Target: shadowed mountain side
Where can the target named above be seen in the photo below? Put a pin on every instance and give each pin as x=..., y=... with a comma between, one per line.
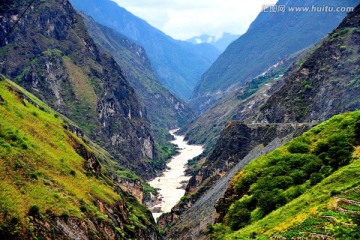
x=163, y=108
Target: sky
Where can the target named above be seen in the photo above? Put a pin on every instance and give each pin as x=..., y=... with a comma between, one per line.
x=184, y=19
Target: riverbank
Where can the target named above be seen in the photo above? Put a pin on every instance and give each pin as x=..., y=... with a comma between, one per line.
x=171, y=183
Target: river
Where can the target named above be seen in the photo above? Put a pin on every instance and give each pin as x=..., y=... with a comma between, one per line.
x=171, y=183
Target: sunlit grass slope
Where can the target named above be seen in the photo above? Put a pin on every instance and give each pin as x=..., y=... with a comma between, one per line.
x=45, y=168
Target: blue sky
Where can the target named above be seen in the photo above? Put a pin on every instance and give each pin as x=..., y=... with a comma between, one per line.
x=183, y=19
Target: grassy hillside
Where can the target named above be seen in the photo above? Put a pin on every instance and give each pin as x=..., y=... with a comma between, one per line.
x=308, y=187
x=53, y=178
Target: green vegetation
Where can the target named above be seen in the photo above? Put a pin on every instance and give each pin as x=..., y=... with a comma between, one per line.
x=127, y=174
x=164, y=149
x=287, y=191
x=148, y=189
x=45, y=173
x=254, y=85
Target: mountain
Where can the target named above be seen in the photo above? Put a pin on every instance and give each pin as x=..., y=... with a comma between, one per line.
x=319, y=85
x=178, y=64
x=57, y=183
x=207, y=127
x=269, y=39
x=50, y=53
x=221, y=43
x=307, y=188
x=164, y=109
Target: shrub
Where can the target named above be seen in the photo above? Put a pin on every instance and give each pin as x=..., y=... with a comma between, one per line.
x=340, y=151
x=34, y=211
x=271, y=200
x=242, y=186
x=321, y=147
x=298, y=176
x=239, y=218
x=315, y=178
x=83, y=208
x=298, y=147
x=312, y=166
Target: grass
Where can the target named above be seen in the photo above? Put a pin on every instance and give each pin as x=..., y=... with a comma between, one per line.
x=39, y=143
x=44, y=172
x=312, y=200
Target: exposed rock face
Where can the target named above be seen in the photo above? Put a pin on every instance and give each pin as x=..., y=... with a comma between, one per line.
x=133, y=187
x=50, y=53
x=239, y=104
x=73, y=228
x=327, y=83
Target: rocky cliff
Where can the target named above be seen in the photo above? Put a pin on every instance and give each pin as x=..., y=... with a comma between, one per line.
x=299, y=100
x=49, y=52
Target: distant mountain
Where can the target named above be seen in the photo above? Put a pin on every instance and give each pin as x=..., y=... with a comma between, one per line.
x=221, y=44
x=178, y=64
x=270, y=38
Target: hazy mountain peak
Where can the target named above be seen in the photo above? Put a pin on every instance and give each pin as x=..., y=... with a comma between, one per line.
x=221, y=43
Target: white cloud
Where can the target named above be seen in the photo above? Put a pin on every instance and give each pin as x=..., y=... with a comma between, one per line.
x=183, y=19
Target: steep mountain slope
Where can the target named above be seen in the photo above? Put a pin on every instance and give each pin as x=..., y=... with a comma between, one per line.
x=297, y=183
x=207, y=127
x=310, y=94
x=270, y=38
x=50, y=53
x=178, y=64
x=164, y=109
x=55, y=183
